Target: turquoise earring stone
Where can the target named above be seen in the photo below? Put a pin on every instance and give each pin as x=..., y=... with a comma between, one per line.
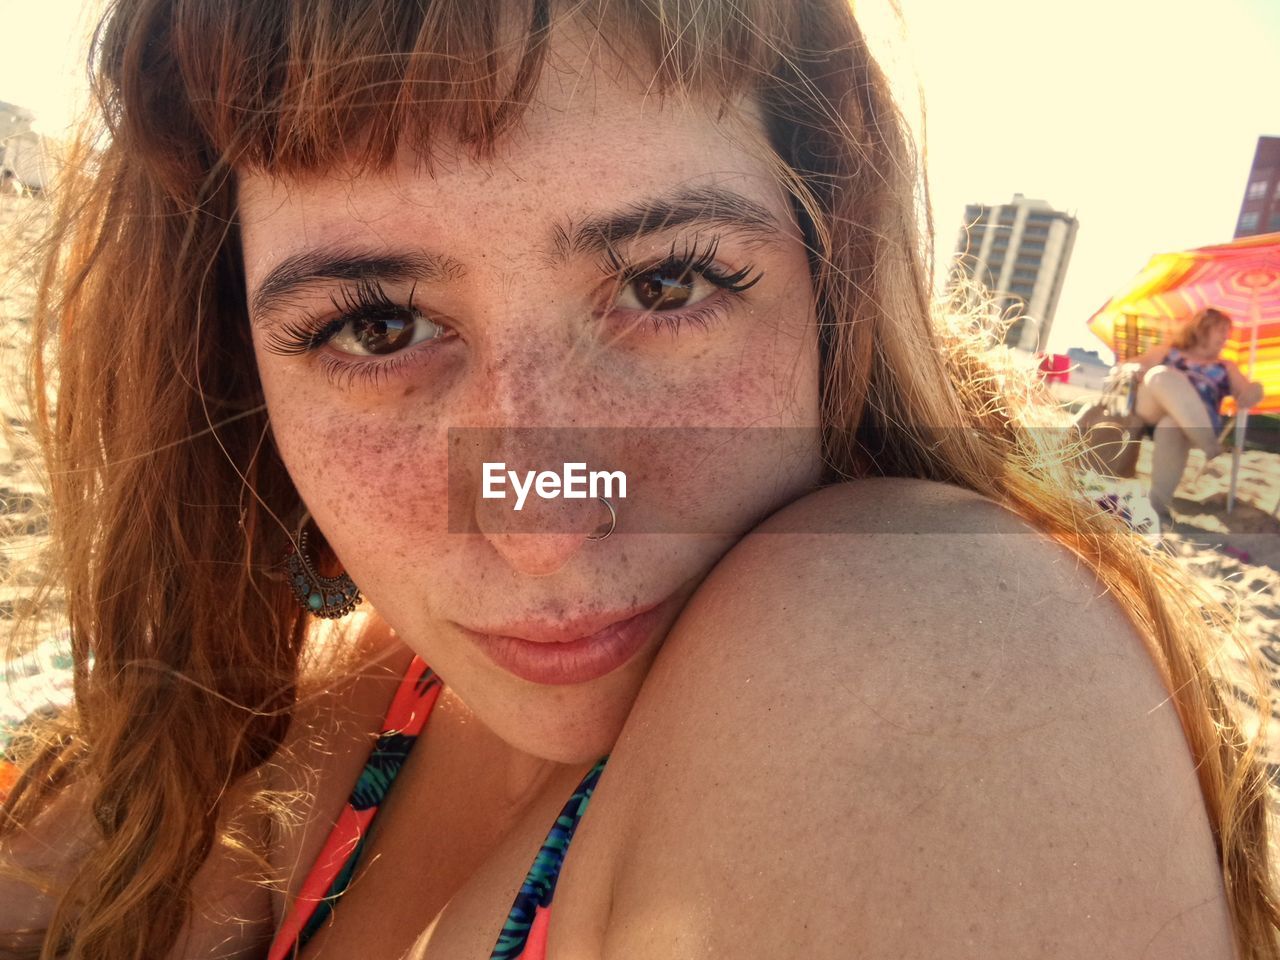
x=327, y=597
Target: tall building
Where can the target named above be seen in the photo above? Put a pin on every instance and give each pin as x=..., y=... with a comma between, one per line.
x=1260, y=212
x=1019, y=251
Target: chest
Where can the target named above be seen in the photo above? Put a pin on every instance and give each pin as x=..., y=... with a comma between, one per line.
x=446, y=854
x=1201, y=372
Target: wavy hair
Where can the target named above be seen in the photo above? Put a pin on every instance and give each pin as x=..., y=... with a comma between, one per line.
x=1195, y=331
x=165, y=485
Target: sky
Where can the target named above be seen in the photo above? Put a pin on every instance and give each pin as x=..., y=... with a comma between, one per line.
x=1139, y=117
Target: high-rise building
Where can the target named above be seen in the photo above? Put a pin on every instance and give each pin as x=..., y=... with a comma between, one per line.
x=1260, y=212
x=1019, y=251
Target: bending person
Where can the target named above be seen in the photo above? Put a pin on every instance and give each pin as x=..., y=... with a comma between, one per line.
x=1183, y=385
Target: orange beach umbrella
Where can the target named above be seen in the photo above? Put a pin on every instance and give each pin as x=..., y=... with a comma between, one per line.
x=1242, y=279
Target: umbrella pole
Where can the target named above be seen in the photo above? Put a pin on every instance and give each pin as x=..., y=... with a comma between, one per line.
x=1242, y=415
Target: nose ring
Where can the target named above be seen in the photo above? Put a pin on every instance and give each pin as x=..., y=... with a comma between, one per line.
x=613, y=522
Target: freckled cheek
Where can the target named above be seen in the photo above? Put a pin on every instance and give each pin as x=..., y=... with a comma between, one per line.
x=734, y=436
x=765, y=372
x=375, y=482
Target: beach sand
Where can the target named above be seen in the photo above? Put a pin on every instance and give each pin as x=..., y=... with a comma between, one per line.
x=1235, y=556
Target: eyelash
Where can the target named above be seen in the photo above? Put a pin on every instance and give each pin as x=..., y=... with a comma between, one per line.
x=368, y=299
x=695, y=261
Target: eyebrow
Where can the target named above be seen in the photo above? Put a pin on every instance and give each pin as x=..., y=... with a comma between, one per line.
x=595, y=234
x=291, y=274
x=703, y=206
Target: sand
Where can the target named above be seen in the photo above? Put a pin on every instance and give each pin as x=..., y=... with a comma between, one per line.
x=1235, y=555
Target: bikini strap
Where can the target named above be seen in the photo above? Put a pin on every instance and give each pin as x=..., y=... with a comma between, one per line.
x=525, y=930
x=333, y=869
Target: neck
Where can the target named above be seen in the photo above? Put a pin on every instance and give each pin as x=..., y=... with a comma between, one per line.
x=513, y=780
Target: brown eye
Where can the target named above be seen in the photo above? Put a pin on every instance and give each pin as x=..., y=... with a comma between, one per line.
x=663, y=288
x=384, y=336
x=381, y=335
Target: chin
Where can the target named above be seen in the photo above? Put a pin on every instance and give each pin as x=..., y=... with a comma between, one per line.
x=569, y=724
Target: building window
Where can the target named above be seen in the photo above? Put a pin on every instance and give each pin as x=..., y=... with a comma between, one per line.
x=1257, y=190
x=1273, y=225
x=1249, y=221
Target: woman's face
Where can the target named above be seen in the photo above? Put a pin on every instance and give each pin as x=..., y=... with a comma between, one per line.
x=1214, y=339
x=622, y=285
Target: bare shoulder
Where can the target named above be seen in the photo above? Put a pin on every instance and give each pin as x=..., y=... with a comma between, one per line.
x=237, y=894
x=37, y=861
x=231, y=913
x=230, y=916
x=1235, y=373
x=1233, y=368
x=897, y=720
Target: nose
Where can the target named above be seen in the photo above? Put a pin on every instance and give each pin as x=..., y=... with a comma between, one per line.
x=540, y=552
x=527, y=516
x=527, y=469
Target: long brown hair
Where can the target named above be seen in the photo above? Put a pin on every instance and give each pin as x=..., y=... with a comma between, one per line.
x=166, y=489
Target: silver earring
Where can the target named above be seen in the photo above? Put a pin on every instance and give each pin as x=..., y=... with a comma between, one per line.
x=326, y=597
x=613, y=522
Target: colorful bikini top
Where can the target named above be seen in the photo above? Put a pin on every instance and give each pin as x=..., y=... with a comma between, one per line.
x=524, y=933
x=1209, y=378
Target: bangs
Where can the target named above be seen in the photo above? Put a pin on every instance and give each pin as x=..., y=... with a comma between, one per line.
x=294, y=86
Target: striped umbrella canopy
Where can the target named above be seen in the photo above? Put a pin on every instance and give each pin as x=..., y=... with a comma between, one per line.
x=1242, y=279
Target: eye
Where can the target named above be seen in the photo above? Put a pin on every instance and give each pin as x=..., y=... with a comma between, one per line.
x=668, y=286
x=385, y=332
x=680, y=280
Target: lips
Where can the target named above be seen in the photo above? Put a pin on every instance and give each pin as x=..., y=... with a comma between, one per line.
x=566, y=652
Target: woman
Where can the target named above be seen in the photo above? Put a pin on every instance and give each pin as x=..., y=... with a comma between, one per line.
x=342, y=272
x=1183, y=385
